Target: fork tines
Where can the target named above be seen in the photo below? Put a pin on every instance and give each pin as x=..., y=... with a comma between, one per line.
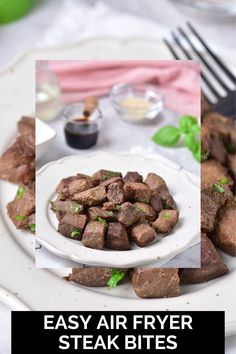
x=218, y=82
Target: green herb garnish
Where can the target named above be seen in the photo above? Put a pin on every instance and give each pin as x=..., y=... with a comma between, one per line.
x=188, y=128
x=166, y=215
x=118, y=207
x=164, y=205
x=224, y=180
x=116, y=276
x=76, y=208
x=102, y=221
x=20, y=192
x=32, y=227
x=137, y=208
x=52, y=205
x=20, y=217
x=143, y=200
x=218, y=187
x=204, y=156
x=110, y=213
x=75, y=232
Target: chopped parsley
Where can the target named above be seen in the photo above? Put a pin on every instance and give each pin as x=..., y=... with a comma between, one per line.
x=224, y=180
x=143, y=200
x=166, y=215
x=110, y=213
x=32, y=227
x=218, y=187
x=116, y=276
x=102, y=221
x=75, y=232
x=204, y=156
x=137, y=208
x=52, y=205
x=20, y=217
x=20, y=192
x=118, y=207
x=76, y=208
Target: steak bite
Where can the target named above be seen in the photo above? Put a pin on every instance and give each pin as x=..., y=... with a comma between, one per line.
x=22, y=207
x=166, y=220
x=62, y=187
x=99, y=212
x=115, y=193
x=76, y=220
x=92, y=196
x=156, y=282
x=17, y=164
x=212, y=145
x=91, y=276
x=138, y=192
x=155, y=202
x=209, y=211
x=79, y=185
x=219, y=123
x=103, y=175
x=212, y=172
x=143, y=234
x=70, y=231
x=110, y=180
x=94, y=235
x=212, y=265
x=60, y=207
x=132, y=177
x=117, y=238
x=224, y=235
x=149, y=212
x=128, y=214
x=26, y=126
x=157, y=184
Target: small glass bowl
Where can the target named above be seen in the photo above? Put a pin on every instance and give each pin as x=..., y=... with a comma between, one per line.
x=81, y=133
x=136, y=103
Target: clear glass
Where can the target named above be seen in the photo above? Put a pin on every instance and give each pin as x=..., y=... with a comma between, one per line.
x=81, y=133
x=47, y=92
x=136, y=103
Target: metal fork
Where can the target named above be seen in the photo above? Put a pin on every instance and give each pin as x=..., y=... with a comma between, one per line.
x=223, y=78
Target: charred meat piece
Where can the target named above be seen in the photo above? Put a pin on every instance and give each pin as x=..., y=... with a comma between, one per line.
x=76, y=220
x=212, y=265
x=21, y=208
x=115, y=193
x=156, y=282
x=155, y=202
x=110, y=180
x=149, y=212
x=138, y=192
x=232, y=164
x=224, y=235
x=133, y=177
x=62, y=187
x=70, y=231
x=99, y=212
x=79, y=185
x=17, y=164
x=212, y=172
x=91, y=276
x=157, y=184
x=219, y=124
x=143, y=234
x=128, y=214
x=103, y=175
x=212, y=145
x=26, y=126
x=92, y=196
x=94, y=235
x=209, y=211
x=117, y=238
x=60, y=207
x=166, y=220
x=111, y=206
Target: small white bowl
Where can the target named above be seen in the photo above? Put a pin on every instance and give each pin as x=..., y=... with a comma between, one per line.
x=44, y=137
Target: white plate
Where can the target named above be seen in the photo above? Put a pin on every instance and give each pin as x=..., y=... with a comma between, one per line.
x=44, y=136
x=42, y=289
x=186, y=194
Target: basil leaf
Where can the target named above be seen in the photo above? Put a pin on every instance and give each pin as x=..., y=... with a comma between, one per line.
x=197, y=153
x=186, y=123
x=167, y=136
x=190, y=143
x=116, y=277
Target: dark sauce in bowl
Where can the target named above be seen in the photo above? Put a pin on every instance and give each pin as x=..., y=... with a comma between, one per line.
x=81, y=135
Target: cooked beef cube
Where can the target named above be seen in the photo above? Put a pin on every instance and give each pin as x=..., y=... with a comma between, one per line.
x=156, y=282
x=70, y=231
x=212, y=172
x=155, y=201
x=167, y=199
x=115, y=193
x=143, y=234
x=64, y=206
x=211, y=265
x=212, y=145
x=219, y=123
x=62, y=187
x=79, y=185
x=133, y=177
x=224, y=235
x=17, y=164
x=91, y=276
x=26, y=126
x=94, y=235
x=128, y=214
x=117, y=238
x=110, y=180
x=103, y=175
x=92, y=196
x=149, y=212
x=138, y=192
x=166, y=221
x=83, y=176
x=158, y=185
x=99, y=212
x=111, y=206
x=232, y=164
x=205, y=105
x=22, y=206
x=208, y=212
x=75, y=220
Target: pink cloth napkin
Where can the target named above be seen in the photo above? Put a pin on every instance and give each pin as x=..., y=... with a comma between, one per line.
x=178, y=80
